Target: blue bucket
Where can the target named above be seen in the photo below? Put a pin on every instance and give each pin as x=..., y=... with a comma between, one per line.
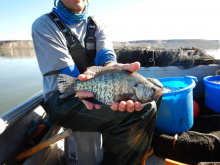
x=212, y=93
x=176, y=110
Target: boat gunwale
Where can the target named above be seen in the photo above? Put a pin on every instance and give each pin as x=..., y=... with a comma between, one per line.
x=16, y=113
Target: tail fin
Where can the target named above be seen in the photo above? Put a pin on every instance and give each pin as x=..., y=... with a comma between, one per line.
x=65, y=85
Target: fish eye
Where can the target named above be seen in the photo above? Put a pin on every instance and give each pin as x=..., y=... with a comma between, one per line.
x=153, y=89
x=135, y=85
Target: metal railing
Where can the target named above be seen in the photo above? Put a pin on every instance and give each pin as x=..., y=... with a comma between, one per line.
x=19, y=111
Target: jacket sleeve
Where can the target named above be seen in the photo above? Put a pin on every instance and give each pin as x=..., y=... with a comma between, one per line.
x=104, y=46
x=50, y=46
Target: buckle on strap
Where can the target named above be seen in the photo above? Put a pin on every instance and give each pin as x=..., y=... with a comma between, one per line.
x=92, y=27
x=70, y=37
x=71, y=41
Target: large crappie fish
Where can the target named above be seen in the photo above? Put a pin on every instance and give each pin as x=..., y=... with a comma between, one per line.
x=111, y=84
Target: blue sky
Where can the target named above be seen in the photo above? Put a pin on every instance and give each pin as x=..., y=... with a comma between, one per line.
x=126, y=19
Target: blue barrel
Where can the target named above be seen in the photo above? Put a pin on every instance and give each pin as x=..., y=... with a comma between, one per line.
x=212, y=93
x=176, y=111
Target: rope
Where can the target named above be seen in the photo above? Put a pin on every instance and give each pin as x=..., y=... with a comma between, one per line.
x=216, y=73
x=174, y=141
x=206, y=134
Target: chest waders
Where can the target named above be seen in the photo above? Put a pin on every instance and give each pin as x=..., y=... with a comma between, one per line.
x=83, y=54
x=126, y=136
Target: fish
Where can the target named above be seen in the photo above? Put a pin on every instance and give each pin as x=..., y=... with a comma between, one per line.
x=111, y=84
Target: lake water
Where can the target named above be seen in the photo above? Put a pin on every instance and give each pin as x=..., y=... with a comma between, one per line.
x=20, y=76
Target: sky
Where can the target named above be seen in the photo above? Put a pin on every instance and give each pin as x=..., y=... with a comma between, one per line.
x=127, y=20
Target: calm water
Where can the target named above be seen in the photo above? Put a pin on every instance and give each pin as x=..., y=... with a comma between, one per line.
x=20, y=76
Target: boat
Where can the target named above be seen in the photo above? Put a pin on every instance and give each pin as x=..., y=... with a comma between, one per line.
x=15, y=124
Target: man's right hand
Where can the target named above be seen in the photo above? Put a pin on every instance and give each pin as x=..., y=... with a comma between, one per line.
x=86, y=94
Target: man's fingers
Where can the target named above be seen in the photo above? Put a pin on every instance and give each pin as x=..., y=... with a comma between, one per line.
x=88, y=104
x=88, y=74
x=133, y=67
x=84, y=77
x=137, y=106
x=114, y=107
x=130, y=106
x=122, y=106
x=84, y=94
x=97, y=106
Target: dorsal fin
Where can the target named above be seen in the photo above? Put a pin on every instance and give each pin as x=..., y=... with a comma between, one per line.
x=95, y=70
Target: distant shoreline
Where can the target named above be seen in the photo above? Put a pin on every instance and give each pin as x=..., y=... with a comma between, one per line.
x=172, y=43
x=16, y=44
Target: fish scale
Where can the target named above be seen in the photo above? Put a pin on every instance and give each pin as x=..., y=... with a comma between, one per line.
x=102, y=90
x=106, y=89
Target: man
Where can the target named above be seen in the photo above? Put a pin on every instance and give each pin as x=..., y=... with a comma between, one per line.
x=128, y=132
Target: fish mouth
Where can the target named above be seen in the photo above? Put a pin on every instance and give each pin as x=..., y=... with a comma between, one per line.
x=157, y=94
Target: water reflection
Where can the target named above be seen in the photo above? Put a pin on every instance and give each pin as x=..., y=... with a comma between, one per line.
x=17, y=52
x=20, y=77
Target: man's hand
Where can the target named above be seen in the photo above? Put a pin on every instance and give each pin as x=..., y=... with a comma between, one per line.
x=85, y=94
x=129, y=105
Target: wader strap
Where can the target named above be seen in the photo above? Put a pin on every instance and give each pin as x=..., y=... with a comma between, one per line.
x=90, y=34
x=90, y=42
x=70, y=37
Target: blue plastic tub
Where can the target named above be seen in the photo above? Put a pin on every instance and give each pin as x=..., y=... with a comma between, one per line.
x=176, y=111
x=212, y=93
